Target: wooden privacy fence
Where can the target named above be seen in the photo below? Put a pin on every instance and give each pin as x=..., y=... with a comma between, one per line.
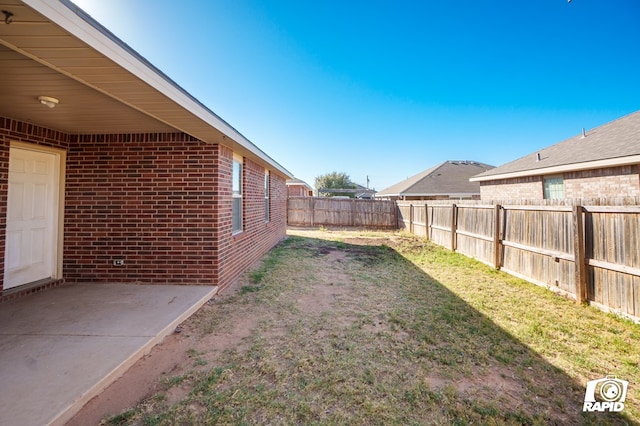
x=590, y=253
x=326, y=211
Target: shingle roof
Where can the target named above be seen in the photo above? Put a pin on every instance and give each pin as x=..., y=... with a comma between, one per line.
x=615, y=140
x=450, y=177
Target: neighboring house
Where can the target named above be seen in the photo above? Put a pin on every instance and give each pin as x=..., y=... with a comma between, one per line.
x=603, y=162
x=446, y=181
x=364, y=193
x=298, y=188
x=109, y=171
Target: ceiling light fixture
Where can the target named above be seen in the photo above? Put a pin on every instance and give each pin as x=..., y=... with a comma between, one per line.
x=48, y=101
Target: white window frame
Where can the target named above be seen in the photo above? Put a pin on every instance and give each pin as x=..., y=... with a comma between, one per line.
x=553, y=187
x=236, y=194
x=267, y=193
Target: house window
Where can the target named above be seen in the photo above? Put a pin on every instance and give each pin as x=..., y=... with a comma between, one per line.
x=237, y=193
x=266, y=196
x=553, y=188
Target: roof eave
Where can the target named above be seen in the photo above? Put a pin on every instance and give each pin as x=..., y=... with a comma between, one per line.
x=598, y=164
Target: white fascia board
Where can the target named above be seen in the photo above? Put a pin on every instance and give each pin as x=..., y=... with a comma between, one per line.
x=60, y=12
x=598, y=164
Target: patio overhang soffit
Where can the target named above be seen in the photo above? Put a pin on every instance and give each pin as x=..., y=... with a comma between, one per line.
x=53, y=48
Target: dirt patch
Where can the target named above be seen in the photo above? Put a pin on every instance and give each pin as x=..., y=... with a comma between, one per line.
x=319, y=301
x=366, y=241
x=495, y=382
x=216, y=343
x=324, y=298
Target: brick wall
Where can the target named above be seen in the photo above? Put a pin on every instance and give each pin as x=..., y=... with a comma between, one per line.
x=237, y=252
x=297, y=191
x=160, y=202
x=524, y=188
x=146, y=199
x=623, y=181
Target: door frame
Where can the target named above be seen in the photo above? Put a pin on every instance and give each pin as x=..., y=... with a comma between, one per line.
x=59, y=177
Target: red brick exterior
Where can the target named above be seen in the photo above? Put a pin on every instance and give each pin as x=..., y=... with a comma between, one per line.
x=610, y=182
x=623, y=181
x=298, y=191
x=524, y=188
x=146, y=199
x=257, y=237
x=160, y=202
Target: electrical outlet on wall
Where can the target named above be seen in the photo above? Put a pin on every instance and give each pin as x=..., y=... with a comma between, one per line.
x=118, y=262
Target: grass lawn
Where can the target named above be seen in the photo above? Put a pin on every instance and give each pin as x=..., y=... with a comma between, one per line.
x=338, y=327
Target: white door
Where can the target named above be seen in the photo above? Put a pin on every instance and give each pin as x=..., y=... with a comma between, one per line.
x=32, y=217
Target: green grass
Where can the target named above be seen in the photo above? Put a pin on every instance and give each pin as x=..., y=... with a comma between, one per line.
x=257, y=275
x=122, y=418
x=386, y=328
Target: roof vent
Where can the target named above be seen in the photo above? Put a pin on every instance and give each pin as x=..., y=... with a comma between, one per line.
x=538, y=157
x=584, y=134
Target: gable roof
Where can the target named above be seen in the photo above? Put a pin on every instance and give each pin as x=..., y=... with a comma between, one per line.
x=448, y=178
x=54, y=48
x=613, y=144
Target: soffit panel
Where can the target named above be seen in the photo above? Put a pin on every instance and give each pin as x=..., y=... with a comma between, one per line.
x=81, y=109
x=40, y=58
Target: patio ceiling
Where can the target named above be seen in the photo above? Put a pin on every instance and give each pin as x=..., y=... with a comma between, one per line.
x=103, y=86
x=96, y=94
x=82, y=109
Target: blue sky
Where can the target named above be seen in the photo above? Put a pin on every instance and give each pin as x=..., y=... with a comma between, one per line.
x=386, y=89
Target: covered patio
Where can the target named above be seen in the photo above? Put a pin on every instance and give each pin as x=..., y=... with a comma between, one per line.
x=60, y=348
x=116, y=199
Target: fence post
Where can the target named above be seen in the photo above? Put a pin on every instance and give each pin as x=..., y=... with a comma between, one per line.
x=313, y=210
x=396, y=214
x=352, y=220
x=426, y=221
x=454, y=216
x=496, y=237
x=579, y=252
x=411, y=218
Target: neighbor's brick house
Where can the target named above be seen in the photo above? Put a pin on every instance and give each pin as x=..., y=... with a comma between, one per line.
x=601, y=163
x=136, y=170
x=298, y=188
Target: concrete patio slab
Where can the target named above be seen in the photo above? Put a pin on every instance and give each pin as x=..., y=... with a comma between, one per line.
x=62, y=347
